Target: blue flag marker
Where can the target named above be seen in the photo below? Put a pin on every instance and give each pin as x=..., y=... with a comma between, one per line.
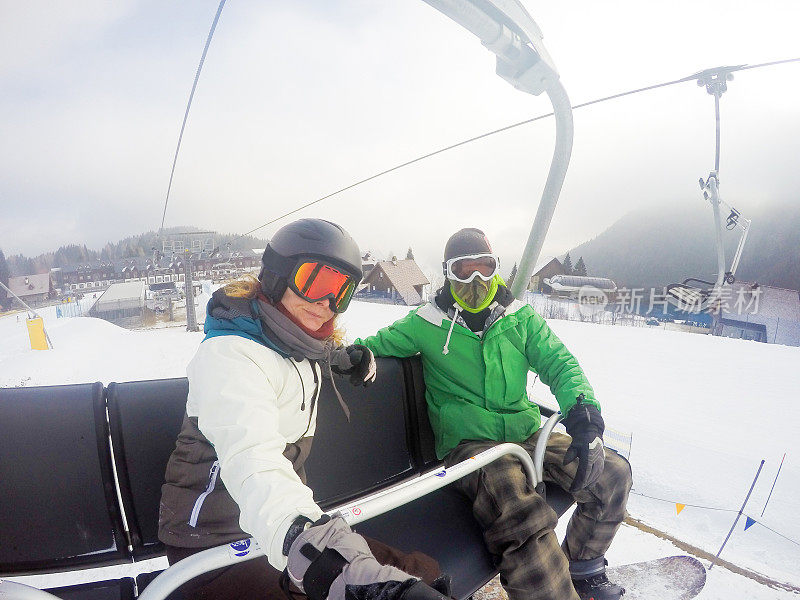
x=749, y=522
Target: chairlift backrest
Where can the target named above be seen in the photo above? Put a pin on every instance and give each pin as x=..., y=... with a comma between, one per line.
x=59, y=505
x=145, y=418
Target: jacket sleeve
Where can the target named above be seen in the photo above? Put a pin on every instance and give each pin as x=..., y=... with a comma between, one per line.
x=234, y=385
x=397, y=339
x=556, y=366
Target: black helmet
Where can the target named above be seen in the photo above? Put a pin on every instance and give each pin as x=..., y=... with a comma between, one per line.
x=469, y=240
x=464, y=242
x=311, y=238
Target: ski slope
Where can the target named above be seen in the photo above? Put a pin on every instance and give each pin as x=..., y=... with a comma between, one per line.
x=703, y=412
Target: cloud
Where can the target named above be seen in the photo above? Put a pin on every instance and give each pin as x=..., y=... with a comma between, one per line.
x=37, y=32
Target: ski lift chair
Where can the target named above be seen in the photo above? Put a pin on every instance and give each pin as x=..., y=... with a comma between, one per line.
x=388, y=440
x=60, y=510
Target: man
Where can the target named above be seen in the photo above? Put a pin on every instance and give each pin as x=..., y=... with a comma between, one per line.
x=477, y=344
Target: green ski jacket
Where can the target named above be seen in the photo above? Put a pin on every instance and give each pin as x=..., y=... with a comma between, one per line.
x=476, y=390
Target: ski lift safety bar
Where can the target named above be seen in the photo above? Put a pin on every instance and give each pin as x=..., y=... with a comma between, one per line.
x=356, y=511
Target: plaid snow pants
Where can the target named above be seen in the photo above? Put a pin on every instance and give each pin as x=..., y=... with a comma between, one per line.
x=518, y=524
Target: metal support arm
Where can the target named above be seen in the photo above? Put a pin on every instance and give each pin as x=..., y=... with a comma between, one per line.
x=505, y=28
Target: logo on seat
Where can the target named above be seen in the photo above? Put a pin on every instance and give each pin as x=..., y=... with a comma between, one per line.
x=241, y=548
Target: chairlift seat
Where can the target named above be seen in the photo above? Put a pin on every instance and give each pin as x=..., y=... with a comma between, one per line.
x=76, y=516
x=59, y=506
x=145, y=418
x=112, y=589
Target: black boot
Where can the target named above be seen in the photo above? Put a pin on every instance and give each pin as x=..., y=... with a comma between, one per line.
x=590, y=581
x=597, y=587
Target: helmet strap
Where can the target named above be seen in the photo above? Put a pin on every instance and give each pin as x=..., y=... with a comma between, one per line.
x=273, y=286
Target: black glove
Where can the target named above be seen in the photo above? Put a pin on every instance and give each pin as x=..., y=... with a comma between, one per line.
x=329, y=560
x=586, y=427
x=357, y=361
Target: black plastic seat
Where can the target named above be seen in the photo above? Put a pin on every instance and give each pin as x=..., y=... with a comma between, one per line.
x=59, y=507
x=112, y=589
x=145, y=419
x=350, y=459
x=390, y=439
x=143, y=580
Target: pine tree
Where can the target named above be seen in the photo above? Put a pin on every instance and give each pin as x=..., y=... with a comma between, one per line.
x=513, y=275
x=580, y=268
x=409, y=254
x=568, y=265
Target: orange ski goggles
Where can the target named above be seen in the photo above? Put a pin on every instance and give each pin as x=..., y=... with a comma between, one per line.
x=314, y=280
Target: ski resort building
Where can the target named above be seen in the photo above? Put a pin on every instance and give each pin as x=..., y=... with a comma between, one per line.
x=32, y=288
x=122, y=304
x=575, y=286
x=396, y=281
x=546, y=268
x=368, y=263
x=760, y=312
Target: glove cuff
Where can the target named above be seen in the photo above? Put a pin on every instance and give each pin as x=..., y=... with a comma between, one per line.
x=583, y=417
x=298, y=526
x=419, y=590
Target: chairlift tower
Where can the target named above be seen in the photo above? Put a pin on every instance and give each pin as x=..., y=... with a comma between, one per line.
x=689, y=293
x=190, y=246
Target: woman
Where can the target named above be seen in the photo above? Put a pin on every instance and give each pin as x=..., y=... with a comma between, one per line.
x=237, y=469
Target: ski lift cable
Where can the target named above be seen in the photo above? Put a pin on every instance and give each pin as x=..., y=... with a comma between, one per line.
x=188, y=106
x=501, y=130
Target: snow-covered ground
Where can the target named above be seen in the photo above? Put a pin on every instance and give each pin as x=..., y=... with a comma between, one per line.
x=703, y=412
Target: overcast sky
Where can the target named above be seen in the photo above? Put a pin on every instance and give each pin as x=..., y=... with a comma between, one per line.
x=299, y=98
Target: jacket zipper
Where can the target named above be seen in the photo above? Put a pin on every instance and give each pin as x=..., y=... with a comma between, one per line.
x=212, y=482
x=314, y=396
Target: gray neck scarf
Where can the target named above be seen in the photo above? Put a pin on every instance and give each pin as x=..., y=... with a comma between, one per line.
x=301, y=345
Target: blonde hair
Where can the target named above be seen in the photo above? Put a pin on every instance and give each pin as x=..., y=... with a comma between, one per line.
x=248, y=286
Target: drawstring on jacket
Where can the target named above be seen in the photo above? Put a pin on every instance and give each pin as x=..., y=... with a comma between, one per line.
x=445, y=348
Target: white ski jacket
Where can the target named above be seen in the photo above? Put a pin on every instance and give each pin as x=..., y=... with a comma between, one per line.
x=250, y=402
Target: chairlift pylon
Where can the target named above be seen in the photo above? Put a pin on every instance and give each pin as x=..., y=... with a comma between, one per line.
x=688, y=296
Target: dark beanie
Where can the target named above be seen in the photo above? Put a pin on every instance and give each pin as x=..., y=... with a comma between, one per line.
x=466, y=241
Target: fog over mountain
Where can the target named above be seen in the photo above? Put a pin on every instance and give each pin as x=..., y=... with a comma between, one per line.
x=653, y=248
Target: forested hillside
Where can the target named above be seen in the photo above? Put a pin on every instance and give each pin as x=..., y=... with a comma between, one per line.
x=653, y=248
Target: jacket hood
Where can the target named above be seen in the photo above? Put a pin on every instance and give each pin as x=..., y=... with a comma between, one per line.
x=226, y=315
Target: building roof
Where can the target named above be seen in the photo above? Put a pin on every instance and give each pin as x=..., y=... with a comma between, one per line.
x=128, y=293
x=29, y=285
x=403, y=275
x=543, y=262
x=575, y=282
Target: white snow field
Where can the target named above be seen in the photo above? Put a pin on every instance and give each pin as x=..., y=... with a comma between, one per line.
x=703, y=412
